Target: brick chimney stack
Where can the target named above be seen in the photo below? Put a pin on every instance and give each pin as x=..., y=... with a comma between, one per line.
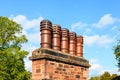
x=60, y=56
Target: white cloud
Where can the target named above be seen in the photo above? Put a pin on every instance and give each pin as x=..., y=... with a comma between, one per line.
x=32, y=32
x=103, y=40
x=26, y=23
x=29, y=47
x=114, y=71
x=114, y=28
x=95, y=68
x=28, y=64
x=104, y=21
x=95, y=65
x=29, y=27
x=78, y=26
x=88, y=30
x=34, y=38
x=93, y=61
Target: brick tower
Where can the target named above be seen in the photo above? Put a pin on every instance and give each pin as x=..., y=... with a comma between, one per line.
x=60, y=56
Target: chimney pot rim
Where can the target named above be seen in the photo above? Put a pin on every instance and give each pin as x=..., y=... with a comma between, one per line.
x=65, y=29
x=79, y=36
x=56, y=25
x=44, y=20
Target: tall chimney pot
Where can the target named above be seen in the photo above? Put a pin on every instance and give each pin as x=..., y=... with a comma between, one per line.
x=72, y=43
x=56, y=37
x=65, y=40
x=79, y=47
x=46, y=30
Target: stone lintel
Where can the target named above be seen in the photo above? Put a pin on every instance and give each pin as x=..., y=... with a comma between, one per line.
x=58, y=56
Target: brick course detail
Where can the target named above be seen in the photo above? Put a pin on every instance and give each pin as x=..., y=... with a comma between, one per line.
x=51, y=68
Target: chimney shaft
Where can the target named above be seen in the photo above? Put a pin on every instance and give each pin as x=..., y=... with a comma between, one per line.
x=56, y=37
x=46, y=29
x=72, y=43
x=79, y=47
x=64, y=40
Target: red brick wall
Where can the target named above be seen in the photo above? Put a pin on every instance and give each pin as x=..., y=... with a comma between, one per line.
x=38, y=69
x=51, y=70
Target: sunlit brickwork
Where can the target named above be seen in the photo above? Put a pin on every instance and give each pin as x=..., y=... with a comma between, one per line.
x=60, y=56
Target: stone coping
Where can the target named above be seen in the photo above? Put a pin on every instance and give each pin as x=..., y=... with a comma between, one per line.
x=50, y=54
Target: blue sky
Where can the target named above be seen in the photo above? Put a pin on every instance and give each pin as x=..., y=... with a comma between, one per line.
x=97, y=20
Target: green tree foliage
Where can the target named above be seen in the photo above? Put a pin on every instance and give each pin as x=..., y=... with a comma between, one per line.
x=11, y=56
x=113, y=76
x=105, y=76
x=116, y=78
x=95, y=78
x=117, y=53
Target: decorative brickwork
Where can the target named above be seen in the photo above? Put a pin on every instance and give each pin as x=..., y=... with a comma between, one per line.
x=52, y=70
